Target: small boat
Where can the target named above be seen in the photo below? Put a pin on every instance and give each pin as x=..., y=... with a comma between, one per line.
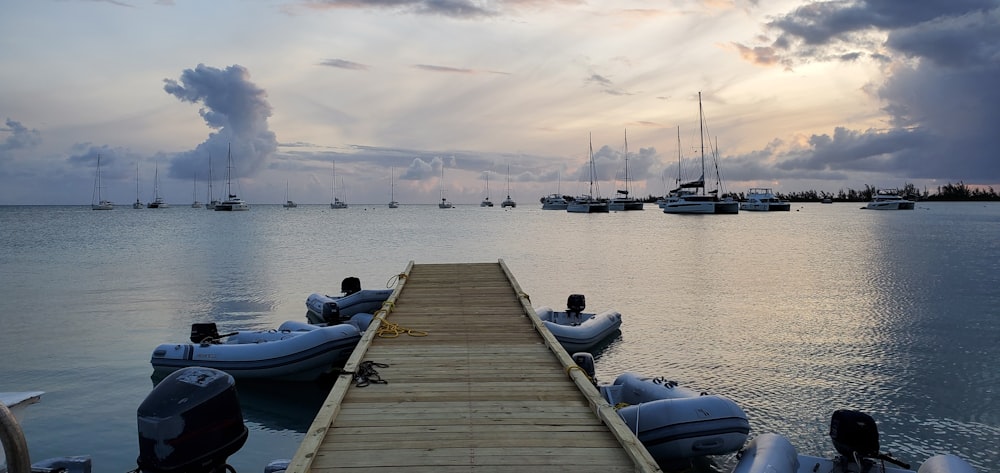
x=623, y=199
x=554, y=202
x=14, y=454
x=337, y=203
x=195, y=412
x=508, y=202
x=889, y=199
x=444, y=204
x=197, y=203
x=486, y=200
x=157, y=202
x=763, y=199
x=296, y=351
x=232, y=202
x=138, y=203
x=683, y=200
x=392, y=190
x=576, y=330
x=677, y=425
x=289, y=203
x=856, y=440
x=323, y=309
x=212, y=201
x=588, y=203
x=826, y=200
x=97, y=202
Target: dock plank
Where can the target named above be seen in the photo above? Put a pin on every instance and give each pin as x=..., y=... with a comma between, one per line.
x=481, y=387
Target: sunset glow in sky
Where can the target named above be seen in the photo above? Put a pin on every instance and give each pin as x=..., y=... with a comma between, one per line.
x=798, y=95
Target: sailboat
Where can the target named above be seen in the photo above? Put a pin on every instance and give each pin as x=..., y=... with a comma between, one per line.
x=138, y=203
x=555, y=201
x=157, y=202
x=196, y=204
x=212, y=201
x=444, y=204
x=96, y=201
x=336, y=203
x=487, y=202
x=588, y=203
x=508, y=202
x=683, y=200
x=232, y=203
x=289, y=204
x=623, y=199
x=392, y=190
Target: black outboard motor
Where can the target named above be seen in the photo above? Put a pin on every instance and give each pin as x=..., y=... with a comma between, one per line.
x=350, y=285
x=585, y=361
x=190, y=423
x=575, y=304
x=854, y=433
x=204, y=332
x=855, y=437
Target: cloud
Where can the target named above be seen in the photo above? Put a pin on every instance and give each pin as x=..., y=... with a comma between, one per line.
x=449, y=8
x=940, y=60
x=236, y=109
x=344, y=64
x=20, y=137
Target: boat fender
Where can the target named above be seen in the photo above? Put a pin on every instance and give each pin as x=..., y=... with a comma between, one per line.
x=946, y=464
x=767, y=453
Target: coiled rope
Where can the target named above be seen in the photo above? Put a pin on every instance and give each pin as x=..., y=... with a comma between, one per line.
x=395, y=280
x=387, y=329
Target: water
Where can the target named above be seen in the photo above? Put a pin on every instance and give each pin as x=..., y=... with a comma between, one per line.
x=792, y=315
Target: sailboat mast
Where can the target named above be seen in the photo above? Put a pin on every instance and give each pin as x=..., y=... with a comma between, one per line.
x=701, y=127
x=590, y=137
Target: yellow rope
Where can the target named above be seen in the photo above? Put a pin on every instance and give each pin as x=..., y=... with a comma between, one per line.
x=525, y=296
x=392, y=330
x=575, y=367
x=621, y=405
x=395, y=279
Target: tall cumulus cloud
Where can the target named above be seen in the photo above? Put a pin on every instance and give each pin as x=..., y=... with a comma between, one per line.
x=235, y=109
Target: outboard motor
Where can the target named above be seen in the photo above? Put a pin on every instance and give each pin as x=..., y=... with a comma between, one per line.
x=855, y=437
x=854, y=433
x=204, y=332
x=350, y=285
x=575, y=304
x=190, y=423
x=585, y=361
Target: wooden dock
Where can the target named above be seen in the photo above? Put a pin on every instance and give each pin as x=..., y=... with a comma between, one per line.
x=477, y=385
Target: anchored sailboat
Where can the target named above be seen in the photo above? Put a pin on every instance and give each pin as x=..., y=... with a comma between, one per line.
x=96, y=201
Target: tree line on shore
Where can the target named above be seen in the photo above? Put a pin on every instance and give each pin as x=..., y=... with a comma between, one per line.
x=946, y=193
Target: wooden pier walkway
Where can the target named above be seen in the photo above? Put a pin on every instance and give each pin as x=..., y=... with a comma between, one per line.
x=484, y=390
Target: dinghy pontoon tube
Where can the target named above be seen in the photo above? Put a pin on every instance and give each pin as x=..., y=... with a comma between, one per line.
x=323, y=309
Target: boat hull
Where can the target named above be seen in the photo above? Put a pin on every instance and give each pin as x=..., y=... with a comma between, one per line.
x=582, y=332
x=587, y=207
x=625, y=204
x=674, y=423
x=773, y=453
x=287, y=355
x=890, y=206
x=322, y=308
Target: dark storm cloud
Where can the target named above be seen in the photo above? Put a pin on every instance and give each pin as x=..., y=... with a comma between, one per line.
x=18, y=137
x=449, y=8
x=236, y=109
x=942, y=61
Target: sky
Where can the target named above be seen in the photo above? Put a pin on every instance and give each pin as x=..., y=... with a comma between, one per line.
x=424, y=98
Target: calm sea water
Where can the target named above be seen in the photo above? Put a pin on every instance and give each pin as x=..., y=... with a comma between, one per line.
x=793, y=315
